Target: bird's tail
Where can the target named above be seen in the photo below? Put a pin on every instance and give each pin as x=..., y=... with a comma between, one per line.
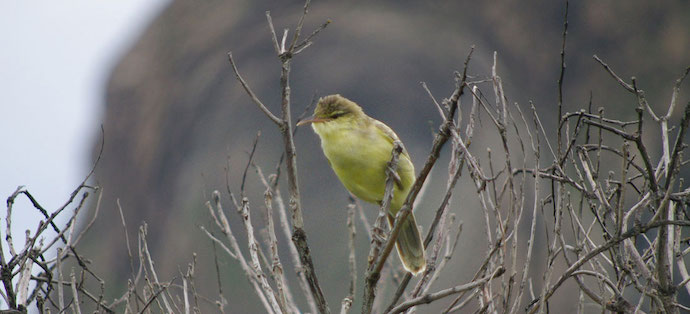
x=410, y=245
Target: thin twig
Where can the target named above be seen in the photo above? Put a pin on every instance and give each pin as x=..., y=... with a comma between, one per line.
x=428, y=298
x=253, y=96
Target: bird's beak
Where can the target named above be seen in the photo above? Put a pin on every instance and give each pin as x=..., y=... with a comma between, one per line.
x=312, y=120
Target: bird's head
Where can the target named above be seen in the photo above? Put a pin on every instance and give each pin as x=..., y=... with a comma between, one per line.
x=333, y=107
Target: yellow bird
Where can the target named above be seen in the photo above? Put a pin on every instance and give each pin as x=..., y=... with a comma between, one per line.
x=358, y=148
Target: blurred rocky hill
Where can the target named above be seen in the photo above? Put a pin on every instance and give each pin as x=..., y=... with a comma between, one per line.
x=175, y=117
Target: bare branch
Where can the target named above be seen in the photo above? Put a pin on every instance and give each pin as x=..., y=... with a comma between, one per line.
x=309, y=40
x=439, y=141
x=253, y=96
x=428, y=298
x=274, y=37
x=378, y=233
x=560, y=78
x=300, y=24
x=620, y=81
x=278, y=307
x=350, y=298
x=602, y=248
x=276, y=266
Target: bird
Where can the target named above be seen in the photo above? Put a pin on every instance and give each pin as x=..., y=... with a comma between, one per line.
x=358, y=149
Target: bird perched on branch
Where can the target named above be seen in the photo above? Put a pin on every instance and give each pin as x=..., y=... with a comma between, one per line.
x=358, y=148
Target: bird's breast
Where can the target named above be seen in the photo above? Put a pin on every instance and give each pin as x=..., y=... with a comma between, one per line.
x=358, y=156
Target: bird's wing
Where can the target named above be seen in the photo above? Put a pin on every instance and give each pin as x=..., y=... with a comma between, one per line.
x=392, y=137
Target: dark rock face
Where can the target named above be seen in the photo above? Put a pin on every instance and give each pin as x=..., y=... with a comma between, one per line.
x=175, y=117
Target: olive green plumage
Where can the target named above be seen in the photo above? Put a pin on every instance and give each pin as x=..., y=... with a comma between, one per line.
x=358, y=148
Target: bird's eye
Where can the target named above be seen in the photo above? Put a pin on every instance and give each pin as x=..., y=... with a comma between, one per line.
x=338, y=114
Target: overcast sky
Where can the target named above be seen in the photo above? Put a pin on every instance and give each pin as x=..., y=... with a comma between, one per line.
x=54, y=62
